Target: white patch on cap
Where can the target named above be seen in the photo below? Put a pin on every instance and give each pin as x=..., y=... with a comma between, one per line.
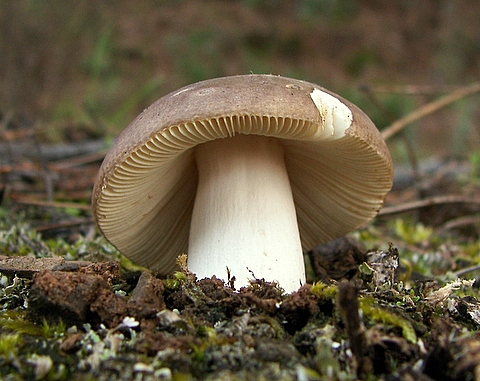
x=336, y=116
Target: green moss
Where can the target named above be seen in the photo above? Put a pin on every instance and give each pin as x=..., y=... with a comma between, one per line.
x=16, y=322
x=323, y=290
x=10, y=344
x=380, y=315
x=52, y=331
x=173, y=283
x=179, y=376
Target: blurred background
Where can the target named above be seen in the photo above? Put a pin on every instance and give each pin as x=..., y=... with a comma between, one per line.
x=84, y=69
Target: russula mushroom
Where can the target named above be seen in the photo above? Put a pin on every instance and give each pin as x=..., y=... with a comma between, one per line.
x=241, y=173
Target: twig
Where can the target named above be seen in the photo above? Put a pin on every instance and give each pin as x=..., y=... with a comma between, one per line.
x=11, y=135
x=430, y=108
x=348, y=306
x=53, y=204
x=64, y=224
x=462, y=272
x=412, y=89
x=460, y=221
x=412, y=157
x=400, y=243
x=52, y=152
x=79, y=160
x=437, y=200
x=47, y=175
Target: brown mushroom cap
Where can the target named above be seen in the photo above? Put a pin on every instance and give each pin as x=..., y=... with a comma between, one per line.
x=145, y=190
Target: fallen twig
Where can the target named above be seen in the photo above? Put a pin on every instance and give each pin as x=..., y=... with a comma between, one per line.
x=430, y=108
x=54, y=204
x=64, y=224
x=411, y=154
x=437, y=200
x=466, y=270
x=411, y=89
x=460, y=221
x=51, y=152
x=79, y=160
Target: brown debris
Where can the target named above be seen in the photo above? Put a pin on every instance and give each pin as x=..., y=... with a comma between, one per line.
x=154, y=341
x=256, y=325
x=466, y=309
x=147, y=297
x=27, y=267
x=87, y=296
x=384, y=348
x=273, y=352
x=299, y=308
x=110, y=271
x=64, y=296
x=337, y=259
x=69, y=345
x=385, y=266
x=348, y=307
x=109, y=307
x=454, y=355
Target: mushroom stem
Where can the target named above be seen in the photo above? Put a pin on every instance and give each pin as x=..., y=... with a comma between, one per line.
x=244, y=216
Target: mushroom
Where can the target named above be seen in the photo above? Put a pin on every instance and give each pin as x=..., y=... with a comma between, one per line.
x=242, y=173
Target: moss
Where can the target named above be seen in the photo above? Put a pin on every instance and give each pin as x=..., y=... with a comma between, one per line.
x=10, y=344
x=381, y=315
x=324, y=290
x=16, y=321
x=55, y=330
x=173, y=282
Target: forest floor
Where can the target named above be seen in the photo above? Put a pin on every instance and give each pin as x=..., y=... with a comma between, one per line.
x=397, y=300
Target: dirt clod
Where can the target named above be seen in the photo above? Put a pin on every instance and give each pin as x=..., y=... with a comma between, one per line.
x=147, y=297
x=337, y=259
x=64, y=296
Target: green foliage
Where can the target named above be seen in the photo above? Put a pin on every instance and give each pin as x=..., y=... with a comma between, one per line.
x=466, y=117
x=87, y=249
x=332, y=11
x=142, y=93
x=196, y=54
x=261, y=4
x=416, y=233
x=18, y=238
x=179, y=376
x=100, y=62
x=361, y=59
x=474, y=159
x=471, y=251
x=383, y=109
x=105, y=105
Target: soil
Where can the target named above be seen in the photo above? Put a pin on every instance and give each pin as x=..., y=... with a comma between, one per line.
x=360, y=317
